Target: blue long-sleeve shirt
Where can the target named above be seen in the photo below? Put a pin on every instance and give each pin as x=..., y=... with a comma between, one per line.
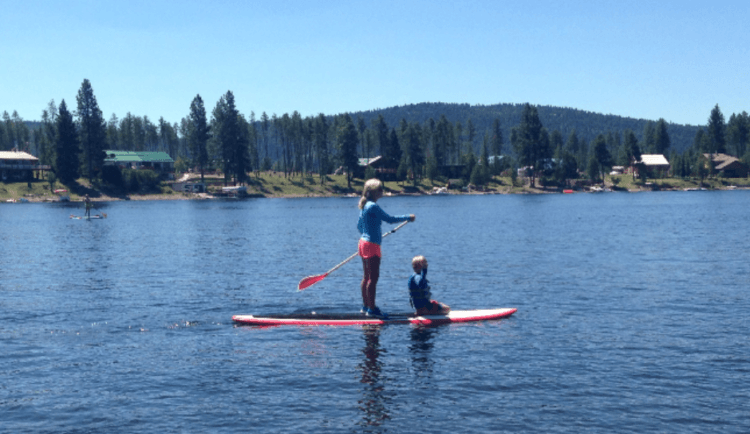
x=419, y=289
x=370, y=219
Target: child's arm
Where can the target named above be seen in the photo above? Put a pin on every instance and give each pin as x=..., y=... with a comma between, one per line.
x=423, y=279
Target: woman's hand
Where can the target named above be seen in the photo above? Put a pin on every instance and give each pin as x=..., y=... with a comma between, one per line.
x=412, y=217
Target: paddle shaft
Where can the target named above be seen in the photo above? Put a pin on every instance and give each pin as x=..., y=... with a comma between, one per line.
x=311, y=280
x=356, y=254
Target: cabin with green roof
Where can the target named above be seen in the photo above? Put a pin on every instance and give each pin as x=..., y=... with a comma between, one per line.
x=159, y=162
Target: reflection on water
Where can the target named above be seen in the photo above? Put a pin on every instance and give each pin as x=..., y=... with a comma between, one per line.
x=421, y=349
x=374, y=402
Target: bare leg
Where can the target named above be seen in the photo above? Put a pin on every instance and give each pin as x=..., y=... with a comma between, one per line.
x=371, y=267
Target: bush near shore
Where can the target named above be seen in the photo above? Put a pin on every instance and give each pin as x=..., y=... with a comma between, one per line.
x=275, y=184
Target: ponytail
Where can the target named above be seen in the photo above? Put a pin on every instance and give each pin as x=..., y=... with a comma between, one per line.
x=370, y=186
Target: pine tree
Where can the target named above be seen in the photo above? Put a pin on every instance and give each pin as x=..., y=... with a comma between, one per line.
x=92, y=131
x=10, y=138
x=531, y=141
x=231, y=138
x=4, y=144
x=601, y=154
x=457, y=144
x=443, y=142
x=48, y=135
x=413, y=150
x=113, y=132
x=573, y=146
x=738, y=131
x=632, y=150
x=380, y=129
x=497, y=146
x=661, y=137
x=480, y=175
x=320, y=139
x=592, y=170
x=199, y=134
x=648, y=138
x=253, y=145
x=346, y=142
x=471, y=134
x=265, y=126
x=716, y=132
x=67, y=146
x=23, y=134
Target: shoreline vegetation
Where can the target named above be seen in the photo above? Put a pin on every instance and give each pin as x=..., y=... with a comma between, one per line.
x=275, y=185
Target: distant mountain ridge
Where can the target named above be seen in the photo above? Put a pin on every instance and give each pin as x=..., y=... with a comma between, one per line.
x=586, y=124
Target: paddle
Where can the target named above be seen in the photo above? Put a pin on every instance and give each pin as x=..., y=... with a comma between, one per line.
x=312, y=280
x=104, y=215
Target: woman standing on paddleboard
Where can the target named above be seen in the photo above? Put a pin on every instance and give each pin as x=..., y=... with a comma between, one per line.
x=371, y=217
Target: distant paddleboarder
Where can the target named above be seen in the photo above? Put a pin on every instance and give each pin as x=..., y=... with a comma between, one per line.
x=371, y=217
x=89, y=205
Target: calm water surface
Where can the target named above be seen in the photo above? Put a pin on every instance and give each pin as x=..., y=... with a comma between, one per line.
x=632, y=317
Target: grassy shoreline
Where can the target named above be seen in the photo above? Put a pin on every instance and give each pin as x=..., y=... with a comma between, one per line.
x=275, y=185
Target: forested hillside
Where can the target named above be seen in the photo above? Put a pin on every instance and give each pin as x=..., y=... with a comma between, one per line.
x=586, y=124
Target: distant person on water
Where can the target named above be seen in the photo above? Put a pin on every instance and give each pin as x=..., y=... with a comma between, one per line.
x=419, y=290
x=88, y=204
x=371, y=217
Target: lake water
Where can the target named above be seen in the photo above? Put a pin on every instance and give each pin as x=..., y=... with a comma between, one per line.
x=632, y=316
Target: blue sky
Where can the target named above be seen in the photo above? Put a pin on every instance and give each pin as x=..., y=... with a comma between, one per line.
x=666, y=59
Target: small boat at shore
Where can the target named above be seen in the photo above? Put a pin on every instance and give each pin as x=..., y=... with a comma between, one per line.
x=235, y=191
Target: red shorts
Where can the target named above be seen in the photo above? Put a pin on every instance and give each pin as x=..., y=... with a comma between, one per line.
x=432, y=308
x=368, y=250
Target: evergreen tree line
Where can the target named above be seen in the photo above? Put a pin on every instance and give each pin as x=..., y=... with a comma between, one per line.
x=73, y=142
x=545, y=155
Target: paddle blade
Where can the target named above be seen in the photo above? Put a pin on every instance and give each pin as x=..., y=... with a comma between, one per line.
x=310, y=281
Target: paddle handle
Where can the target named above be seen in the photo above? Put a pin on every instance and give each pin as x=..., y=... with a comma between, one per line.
x=395, y=229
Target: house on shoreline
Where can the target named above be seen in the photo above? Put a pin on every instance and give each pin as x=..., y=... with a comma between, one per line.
x=655, y=165
x=383, y=171
x=17, y=166
x=159, y=162
x=732, y=167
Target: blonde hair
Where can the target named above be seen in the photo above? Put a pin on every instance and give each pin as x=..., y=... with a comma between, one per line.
x=371, y=185
x=416, y=262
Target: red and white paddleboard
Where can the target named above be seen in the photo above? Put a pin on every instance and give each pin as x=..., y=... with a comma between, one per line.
x=344, y=319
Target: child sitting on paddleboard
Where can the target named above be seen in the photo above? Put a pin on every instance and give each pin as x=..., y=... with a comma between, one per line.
x=419, y=290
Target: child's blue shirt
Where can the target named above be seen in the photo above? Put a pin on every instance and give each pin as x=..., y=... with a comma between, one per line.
x=419, y=289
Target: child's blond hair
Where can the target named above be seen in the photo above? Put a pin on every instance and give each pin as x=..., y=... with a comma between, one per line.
x=371, y=185
x=416, y=263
